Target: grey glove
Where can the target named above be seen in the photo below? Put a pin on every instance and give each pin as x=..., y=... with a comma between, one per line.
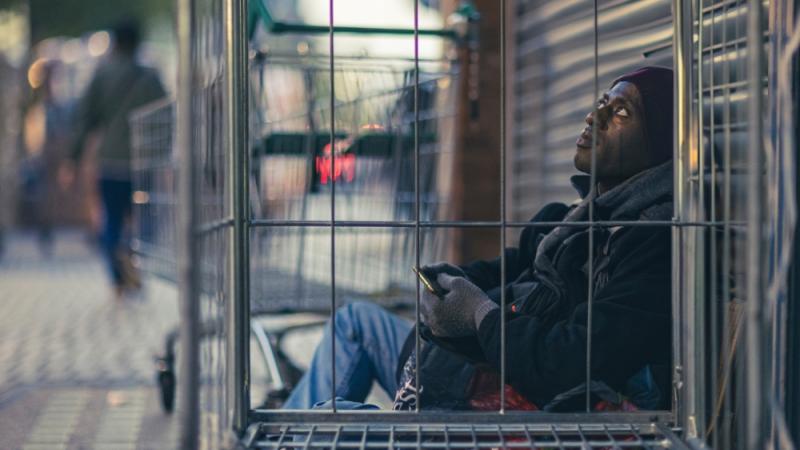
x=443, y=267
x=461, y=310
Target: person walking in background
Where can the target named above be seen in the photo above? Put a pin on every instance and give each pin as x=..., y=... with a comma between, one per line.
x=120, y=85
x=45, y=136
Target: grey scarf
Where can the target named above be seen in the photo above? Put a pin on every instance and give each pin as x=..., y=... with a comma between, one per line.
x=644, y=196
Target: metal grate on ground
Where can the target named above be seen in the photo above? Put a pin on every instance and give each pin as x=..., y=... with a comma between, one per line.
x=462, y=436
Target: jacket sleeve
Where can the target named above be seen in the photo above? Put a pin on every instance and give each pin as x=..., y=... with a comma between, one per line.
x=630, y=328
x=486, y=274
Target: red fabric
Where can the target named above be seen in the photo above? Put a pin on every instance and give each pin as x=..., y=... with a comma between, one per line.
x=485, y=395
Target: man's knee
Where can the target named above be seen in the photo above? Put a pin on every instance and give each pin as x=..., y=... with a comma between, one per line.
x=350, y=318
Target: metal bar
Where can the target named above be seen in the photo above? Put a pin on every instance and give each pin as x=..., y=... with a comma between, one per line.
x=188, y=250
x=727, y=349
x=503, y=151
x=268, y=353
x=280, y=27
x=722, y=86
x=671, y=438
x=682, y=36
x=236, y=112
x=592, y=193
x=696, y=236
x=264, y=58
x=143, y=112
x=459, y=417
x=210, y=227
x=756, y=413
x=417, y=337
x=257, y=223
x=726, y=44
x=712, y=235
x=333, y=205
x=686, y=239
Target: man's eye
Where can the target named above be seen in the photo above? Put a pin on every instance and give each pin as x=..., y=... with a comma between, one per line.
x=622, y=112
x=601, y=103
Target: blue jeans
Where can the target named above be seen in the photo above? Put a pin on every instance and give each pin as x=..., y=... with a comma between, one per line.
x=116, y=195
x=369, y=340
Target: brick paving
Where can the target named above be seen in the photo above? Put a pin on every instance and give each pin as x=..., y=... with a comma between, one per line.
x=76, y=365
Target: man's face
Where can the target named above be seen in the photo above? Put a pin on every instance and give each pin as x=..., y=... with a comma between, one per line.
x=621, y=145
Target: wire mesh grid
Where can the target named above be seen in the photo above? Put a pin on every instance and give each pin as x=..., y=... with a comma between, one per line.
x=372, y=162
x=215, y=272
x=463, y=436
x=330, y=227
x=211, y=232
x=154, y=185
x=722, y=287
x=739, y=171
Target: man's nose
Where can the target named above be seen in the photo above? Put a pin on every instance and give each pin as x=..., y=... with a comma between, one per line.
x=601, y=121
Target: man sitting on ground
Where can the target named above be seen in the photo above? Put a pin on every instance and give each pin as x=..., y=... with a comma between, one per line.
x=547, y=289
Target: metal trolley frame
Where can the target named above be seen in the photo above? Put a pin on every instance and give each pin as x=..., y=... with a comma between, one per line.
x=217, y=222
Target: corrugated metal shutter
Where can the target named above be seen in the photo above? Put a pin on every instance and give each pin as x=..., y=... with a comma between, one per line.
x=554, y=82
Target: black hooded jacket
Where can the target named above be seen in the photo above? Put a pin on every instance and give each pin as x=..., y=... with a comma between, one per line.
x=547, y=303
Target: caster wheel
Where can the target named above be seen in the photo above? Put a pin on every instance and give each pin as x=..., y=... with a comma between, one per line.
x=166, y=384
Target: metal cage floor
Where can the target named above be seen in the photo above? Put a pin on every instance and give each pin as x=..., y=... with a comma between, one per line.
x=461, y=436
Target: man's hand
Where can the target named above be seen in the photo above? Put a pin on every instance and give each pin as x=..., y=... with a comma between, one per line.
x=460, y=311
x=443, y=267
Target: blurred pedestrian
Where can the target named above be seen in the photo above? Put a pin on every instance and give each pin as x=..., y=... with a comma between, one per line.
x=45, y=131
x=120, y=85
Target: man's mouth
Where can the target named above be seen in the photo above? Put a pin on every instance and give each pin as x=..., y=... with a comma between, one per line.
x=585, y=139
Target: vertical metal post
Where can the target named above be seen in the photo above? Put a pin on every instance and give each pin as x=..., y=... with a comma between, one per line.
x=503, y=343
x=682, y=45
x=695, y=257
x=188, y=249
x=333, y=205
x=417, y=343
x=593, y=192
x=711, y=232
x=236, y=141
x=756, y=413
x=728, y=347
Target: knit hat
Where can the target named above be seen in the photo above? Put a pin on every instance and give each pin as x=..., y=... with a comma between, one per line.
x=655, y=87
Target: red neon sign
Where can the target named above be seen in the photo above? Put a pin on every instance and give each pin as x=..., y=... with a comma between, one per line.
x=344, y=164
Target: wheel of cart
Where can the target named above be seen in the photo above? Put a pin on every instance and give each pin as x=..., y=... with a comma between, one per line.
x=281, y=372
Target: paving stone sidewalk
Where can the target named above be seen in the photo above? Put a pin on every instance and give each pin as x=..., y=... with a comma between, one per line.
x=76, y=365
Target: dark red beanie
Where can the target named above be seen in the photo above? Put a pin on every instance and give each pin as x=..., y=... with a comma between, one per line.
x=655, y=87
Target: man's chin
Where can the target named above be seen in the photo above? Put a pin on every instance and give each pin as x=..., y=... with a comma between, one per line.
x=580, y=161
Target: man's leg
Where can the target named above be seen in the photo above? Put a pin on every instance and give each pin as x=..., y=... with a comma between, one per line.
x=369, y=340
x=111, y=193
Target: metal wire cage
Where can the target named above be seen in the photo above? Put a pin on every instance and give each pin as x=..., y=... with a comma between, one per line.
x=290, y=199
x=736, y=159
